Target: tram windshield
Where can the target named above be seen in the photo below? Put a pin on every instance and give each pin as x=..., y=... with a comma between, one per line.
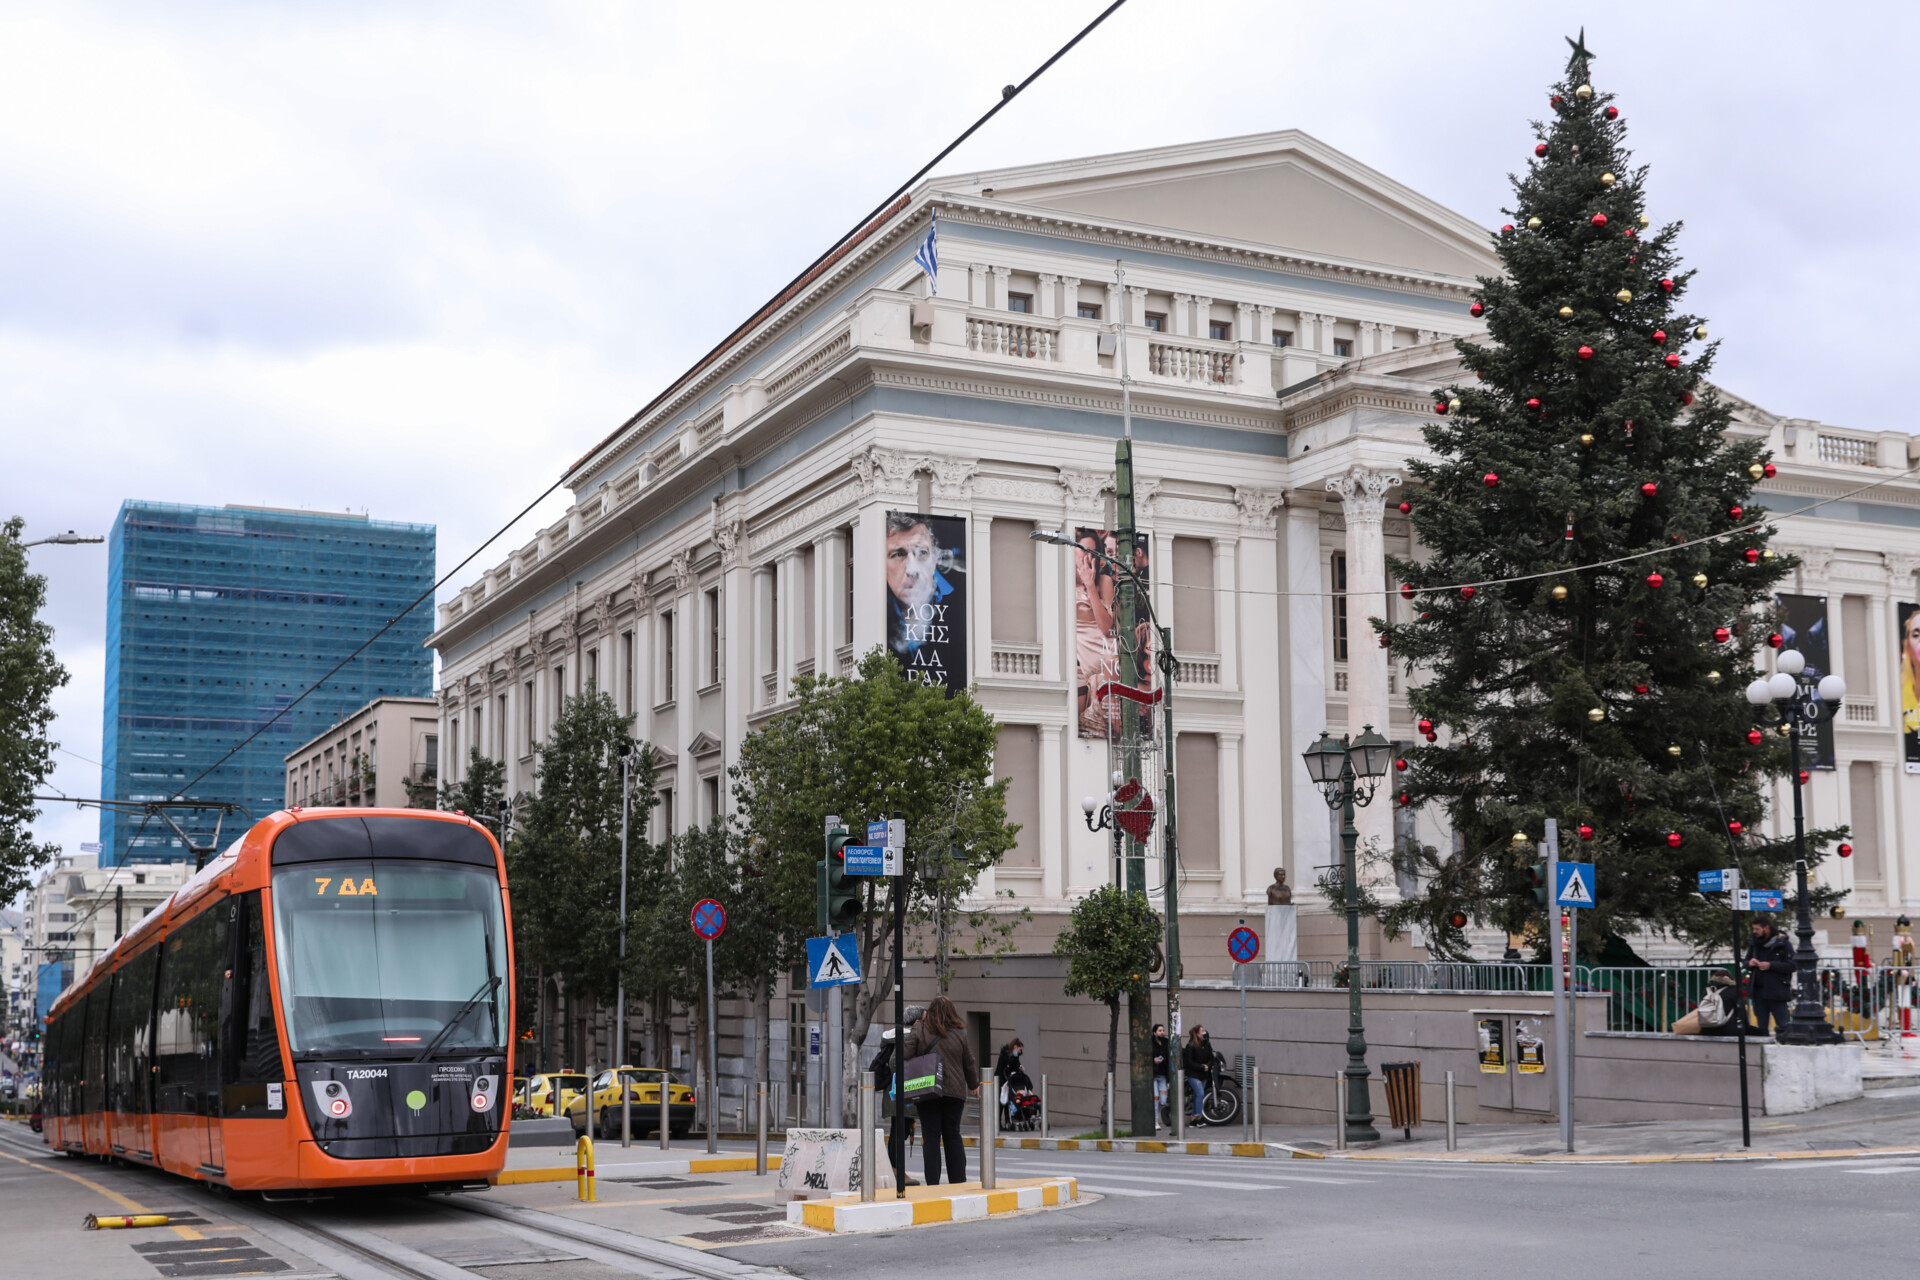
x=390, y=959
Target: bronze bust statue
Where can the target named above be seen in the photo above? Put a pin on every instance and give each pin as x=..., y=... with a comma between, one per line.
x=1278, y=894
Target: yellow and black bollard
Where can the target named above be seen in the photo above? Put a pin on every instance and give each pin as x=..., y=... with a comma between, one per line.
x=114, y=1221
x=583, y=1169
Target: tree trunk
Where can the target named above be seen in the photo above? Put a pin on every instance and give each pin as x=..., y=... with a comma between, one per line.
x=1113, y=1051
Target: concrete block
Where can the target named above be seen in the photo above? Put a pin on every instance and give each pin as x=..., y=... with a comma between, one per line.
x=1799, y=1077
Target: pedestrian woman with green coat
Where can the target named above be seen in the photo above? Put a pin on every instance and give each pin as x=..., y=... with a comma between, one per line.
x=942, y=1035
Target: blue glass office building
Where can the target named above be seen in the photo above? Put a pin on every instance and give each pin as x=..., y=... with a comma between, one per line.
x=217, y=617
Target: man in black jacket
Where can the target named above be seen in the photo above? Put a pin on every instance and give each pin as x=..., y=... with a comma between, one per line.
x=1770, y=965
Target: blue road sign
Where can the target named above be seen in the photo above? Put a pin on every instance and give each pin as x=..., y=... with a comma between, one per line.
x=1573, y=886
x=866, y=859
x=709, y=919
x=877, y=833
x=832, y=962
x=1757, y=900
x=1721, y=881
x=1243, y=944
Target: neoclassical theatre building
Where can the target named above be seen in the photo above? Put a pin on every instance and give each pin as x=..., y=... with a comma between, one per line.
x=1285, y=312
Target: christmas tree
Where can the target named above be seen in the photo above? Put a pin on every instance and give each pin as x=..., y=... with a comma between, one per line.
x=1598, y=582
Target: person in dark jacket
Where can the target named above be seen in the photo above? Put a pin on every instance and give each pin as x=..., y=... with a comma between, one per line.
x=1196, y=1059
x=944, y=1032
x=882, y=1068
x=1005, y=1068
x=1162, y=1071
x=1770, y=966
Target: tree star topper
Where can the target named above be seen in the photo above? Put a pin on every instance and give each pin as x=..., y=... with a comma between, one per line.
x=1580, y=55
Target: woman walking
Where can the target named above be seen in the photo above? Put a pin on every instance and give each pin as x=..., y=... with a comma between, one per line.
x=943, y=1032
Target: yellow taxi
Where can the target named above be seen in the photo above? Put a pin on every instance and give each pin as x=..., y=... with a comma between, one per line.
x=538, y=1094
x=643, y=1093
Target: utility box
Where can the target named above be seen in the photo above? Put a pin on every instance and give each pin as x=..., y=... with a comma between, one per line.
x=1512, y=1046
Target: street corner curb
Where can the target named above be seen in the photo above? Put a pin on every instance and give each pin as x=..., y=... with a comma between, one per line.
x=1667, y=1157
x=1148, y=1146
x=845, y=1216
x=567, y=1173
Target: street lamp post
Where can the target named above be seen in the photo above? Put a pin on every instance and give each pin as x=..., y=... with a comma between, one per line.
x=1348, y=773
x=1803, y=703
x=620, y=1001
x=67, y=539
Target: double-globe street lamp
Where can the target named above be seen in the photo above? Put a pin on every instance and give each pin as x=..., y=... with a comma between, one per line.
x=1348, y=774
x=1793, y=697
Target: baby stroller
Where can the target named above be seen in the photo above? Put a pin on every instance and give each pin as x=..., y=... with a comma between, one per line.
x=1019, y=1104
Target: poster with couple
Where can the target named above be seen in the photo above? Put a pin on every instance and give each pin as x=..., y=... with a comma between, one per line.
x=1103, y=659
x=1910, y=683
x=926, y=562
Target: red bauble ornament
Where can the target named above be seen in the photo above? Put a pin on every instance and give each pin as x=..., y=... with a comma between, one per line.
x=1721, y=635
x=1774, y=641
x=1613, y=113
x=1655, y=581
x=1586, y=832
x=1599, y=219
x=1477, y=309
x=1406, y=591
x=1650, y=488
x=1846, y=850
x=1433, y=737
x=1667, y=286
x=1540, y=150
x=1406, y=508
x=1752, y=554
x=1735, y=827
x=1804, y=775
x=1734, y=513
x=1686, y=397
x=1640, y=688
x=1458, y=920
x=1506, y=226
x=1767, y=470
x=1673, y=839
x=1629, y=233
x=1555, y=100
x=1466, y=593
x=1384, y=643
x=1401, y=764
x=1755, y=737
x=1426, y=726
x=1659, y=337
x=1534, y=404
x=1490, y=479
x=1405, y=799
x=1440, y=407
x=1586, y=353
x=1673, y=362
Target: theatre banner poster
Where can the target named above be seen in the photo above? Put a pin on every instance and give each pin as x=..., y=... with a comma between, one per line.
x=926, y=563
x=1803, y=626
x=1910, y=683
x=1102, y=659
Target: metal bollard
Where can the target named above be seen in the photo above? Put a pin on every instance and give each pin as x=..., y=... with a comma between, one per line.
x=1339, y=1114
x=1177, y=1103
x=665, y=1089
x=989, y=1130
x=869, y=1170
x=1109, y=1106
x=1453, y=1138
x=1255, y=1105
x=1043, y=1104
x=583, y=1184
x=760, y=1131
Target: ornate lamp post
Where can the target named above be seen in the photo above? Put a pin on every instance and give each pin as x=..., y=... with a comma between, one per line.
x=1803, y=703
x=1347, y=774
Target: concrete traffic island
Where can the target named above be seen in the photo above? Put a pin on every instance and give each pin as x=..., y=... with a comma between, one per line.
x=951, y=1202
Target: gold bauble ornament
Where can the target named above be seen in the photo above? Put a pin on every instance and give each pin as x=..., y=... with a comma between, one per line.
x=1767, y=554
x=1625, y=295
x=1453, y=406
x=1533, y=224
x=1757, y=471
x=1700, y=332
x=1559, y=593
x=1583, y=92
x=1597, y=714
x=1713, y=677
x=1674, y=750
x=1566, y=313
x=1606, y=179
x=1645, y=222
x=1786, y=731
x=1586, y=438
x=1699, y=579
x=1519, y=839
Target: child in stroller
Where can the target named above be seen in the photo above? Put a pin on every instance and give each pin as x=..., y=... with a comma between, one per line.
x=1019, y=1104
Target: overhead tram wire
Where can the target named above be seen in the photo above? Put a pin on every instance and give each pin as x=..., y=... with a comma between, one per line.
x=885, y=207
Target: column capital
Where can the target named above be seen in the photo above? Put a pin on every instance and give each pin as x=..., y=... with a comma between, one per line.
x=1084, y=488
x=952, y=477
x=1257, y=506
x=1363, y=493
x=1047, y=279
x=730, y=535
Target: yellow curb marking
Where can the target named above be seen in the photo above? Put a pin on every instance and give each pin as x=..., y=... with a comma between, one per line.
x=131, y=1206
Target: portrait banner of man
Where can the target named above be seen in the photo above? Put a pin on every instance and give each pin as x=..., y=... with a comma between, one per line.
x=1910, y=683
x=1099, y=656
x=926, y=560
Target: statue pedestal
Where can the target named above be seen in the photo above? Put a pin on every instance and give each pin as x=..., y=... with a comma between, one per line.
x=1283, y=934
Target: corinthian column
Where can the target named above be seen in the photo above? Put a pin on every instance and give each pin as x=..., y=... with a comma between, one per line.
x=1363, y=494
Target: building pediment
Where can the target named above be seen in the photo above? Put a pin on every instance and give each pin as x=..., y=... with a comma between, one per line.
x=1285, y=189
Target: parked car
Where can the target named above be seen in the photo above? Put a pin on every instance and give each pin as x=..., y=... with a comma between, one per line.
x=643, y=1092
x=540, y=1090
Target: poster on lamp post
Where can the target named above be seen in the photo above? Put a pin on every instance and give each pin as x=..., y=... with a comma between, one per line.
x=1910, y=683
x=1102, y=658
x=1803, y=626
x=926, y=564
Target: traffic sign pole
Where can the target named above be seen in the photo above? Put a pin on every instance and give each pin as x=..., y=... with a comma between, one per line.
x=1243, y=944
x=1562, y=998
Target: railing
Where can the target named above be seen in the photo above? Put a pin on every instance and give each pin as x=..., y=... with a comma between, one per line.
x=1016, y=662
x=1862, y=710
x=1396, y=975
x=1192, y=364
x=1199, y=670
x=1007, y=338
x=1850, y=451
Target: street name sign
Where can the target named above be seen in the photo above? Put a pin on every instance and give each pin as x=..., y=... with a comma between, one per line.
x=1724, y=880
x=866, y=859
x=1757, y=900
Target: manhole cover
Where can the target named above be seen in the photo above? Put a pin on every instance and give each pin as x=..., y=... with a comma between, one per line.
x=715, y=1210
x=224, y=1256
x=483, y=1249
x=749, y=1235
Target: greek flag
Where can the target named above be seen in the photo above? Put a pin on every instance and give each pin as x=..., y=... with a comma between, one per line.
x=928, y=255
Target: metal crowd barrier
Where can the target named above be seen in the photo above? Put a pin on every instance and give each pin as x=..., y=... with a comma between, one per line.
x=1394, y=975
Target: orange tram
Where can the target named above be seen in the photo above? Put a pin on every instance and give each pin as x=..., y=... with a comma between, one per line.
x=326, y=1004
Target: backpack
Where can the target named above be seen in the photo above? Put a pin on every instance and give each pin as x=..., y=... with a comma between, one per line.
x=1713, y=1009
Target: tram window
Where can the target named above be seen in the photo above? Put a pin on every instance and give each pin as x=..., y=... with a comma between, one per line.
x=193, y=966
x=130, y=1043
x=250, y=1039
x=93, y=1052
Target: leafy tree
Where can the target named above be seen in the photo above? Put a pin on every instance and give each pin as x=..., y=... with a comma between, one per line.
x=1110, y=944
x=28, y=676
x=564, y=860
x=1590, y=525
x=865, y=749
x=478, y=794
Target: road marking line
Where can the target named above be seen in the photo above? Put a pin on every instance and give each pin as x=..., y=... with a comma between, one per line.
x=131, y=1206
x=1123, y=1191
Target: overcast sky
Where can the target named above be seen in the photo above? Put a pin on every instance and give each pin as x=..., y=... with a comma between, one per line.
x=413, y=260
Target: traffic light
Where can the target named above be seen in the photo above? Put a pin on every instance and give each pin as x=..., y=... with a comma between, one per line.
x=843, y=892
x=1538, y=876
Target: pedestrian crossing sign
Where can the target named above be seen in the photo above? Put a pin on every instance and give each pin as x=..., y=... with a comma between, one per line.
x=1574, y=887
x=832, y=962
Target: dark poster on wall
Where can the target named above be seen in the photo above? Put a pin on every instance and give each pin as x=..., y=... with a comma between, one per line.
x=1803, y=626
x=1910, y=683
x=926, y=563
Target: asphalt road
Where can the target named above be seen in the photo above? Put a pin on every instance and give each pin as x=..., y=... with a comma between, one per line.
x=1223, y=1217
